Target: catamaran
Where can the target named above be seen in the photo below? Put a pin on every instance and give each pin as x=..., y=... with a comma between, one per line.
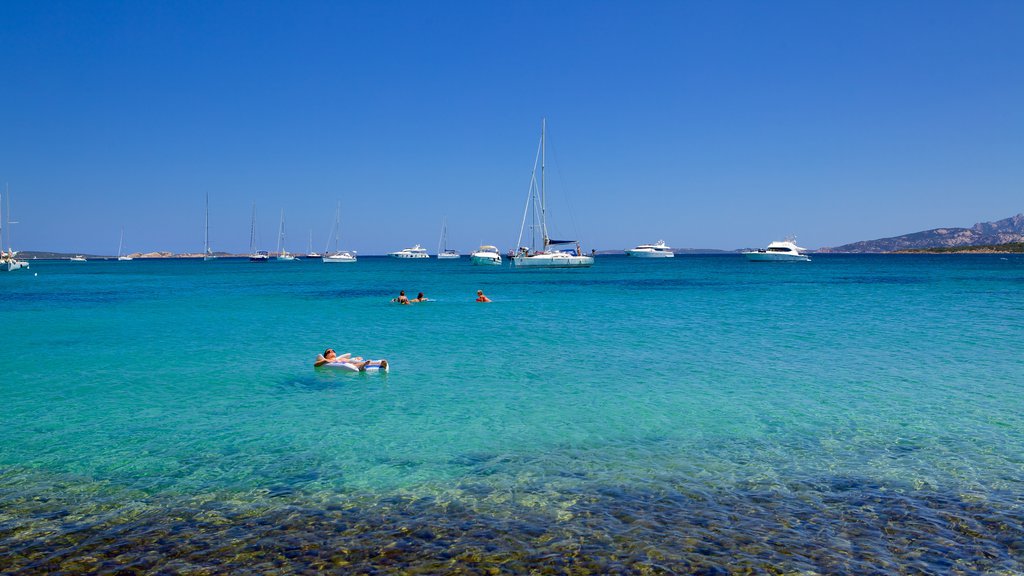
x=207, y=253
x=282, y=252
x=546, y=257
x=8, y=262
x=338, y=256
x=442, y=244
x=254, y=254
x=121, y=256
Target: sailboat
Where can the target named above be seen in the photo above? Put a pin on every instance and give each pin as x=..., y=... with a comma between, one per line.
x=121, y=256
x=207, y=253
x=8, y=262
x=442, y=244
x=310, y=254
x=254, y=254
x=338, y=256
x=282, y=252
x=529, y=256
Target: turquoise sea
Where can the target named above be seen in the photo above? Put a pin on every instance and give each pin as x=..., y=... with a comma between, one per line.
x=851, y=415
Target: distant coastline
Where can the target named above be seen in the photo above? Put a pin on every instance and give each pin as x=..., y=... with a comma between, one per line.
x=1008, y=248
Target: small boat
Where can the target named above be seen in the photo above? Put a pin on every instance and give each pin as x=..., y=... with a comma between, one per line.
x=78, y=258
x=121, y=256
x=486, y=256
x=207, y=253
x=414, y=252
x=442, y=244
x=8, y=260
x=656, y=250
x=546, y=256
x=338, y=256
x=282, y=252
x=784, y=251
x=254, y=254
x=309, y=251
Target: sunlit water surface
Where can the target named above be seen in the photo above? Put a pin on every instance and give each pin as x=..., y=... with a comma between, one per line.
x=854, y=414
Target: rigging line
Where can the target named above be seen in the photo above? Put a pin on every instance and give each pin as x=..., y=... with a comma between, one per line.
x=568, y=198
x=529, y=196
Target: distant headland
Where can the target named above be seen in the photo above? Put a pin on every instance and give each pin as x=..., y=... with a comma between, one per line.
x=1005, y=235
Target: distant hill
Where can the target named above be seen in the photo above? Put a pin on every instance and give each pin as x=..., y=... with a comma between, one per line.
x=981, y=234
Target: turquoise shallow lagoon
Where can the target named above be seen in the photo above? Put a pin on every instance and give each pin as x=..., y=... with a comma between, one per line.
x=855, y=414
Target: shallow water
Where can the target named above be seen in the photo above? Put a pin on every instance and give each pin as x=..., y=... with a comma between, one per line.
x=854, y=414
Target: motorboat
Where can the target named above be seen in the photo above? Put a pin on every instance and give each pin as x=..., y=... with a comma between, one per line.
x=486, y=256
x=546, y=256
x=78, y=258
x=259, y=256
x=656, y=250
x=779, y=251
x=415, y=252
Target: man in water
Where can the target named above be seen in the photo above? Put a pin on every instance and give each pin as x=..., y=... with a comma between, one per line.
x=480, y=296
x=402, y=298
x=330, y=355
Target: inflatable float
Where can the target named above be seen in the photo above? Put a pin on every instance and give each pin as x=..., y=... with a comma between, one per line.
x=349, y=367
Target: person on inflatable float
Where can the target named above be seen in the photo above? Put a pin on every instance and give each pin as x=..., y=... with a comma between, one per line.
x=330, y=356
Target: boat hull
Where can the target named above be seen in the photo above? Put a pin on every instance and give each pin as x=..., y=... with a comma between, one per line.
x=443, y=256
x=553, y=261
x=408, y=256
x=12, y=265
x=770, y=257
x=341, y=258
x=485, y=260
x=649, y=254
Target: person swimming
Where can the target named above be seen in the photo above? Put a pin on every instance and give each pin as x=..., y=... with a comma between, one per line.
x=402, y=298
x=330, y=356
x=480, y=296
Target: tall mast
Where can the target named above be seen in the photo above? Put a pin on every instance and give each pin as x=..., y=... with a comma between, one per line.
x=337, y=228
x=206, y=227
x=252, y=231
x=7, y=189
x=280, y=233
x=543, y=197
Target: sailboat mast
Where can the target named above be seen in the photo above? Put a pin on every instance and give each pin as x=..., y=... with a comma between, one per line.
x=206, y=227
x=337, y=229
x=543, y=197
x=252, y=231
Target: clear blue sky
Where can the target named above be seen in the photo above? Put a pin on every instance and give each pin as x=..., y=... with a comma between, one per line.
x=707, y=124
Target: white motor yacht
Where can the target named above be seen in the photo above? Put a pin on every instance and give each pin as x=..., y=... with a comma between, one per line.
x=78, y=258
x=486, y=256
x=656, y=250
x=784, y=251
x=415, y=252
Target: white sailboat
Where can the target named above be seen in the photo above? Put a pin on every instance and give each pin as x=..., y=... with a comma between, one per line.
x=121, y=256
x=310, y=254
x=338, y=256
x=207, y=253
x=546, y=257
x=282, y=252
x=8, y=262
x=442, y=244
x=254, y=254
